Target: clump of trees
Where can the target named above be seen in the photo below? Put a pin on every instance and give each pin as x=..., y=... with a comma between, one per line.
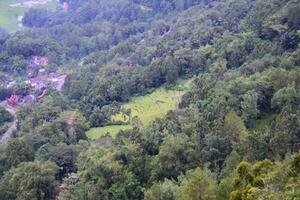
x=5, y=119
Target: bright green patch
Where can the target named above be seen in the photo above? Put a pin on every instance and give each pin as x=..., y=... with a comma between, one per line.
x=95, y=133
x=155, y=105
x=121, y=117
x=9, y=15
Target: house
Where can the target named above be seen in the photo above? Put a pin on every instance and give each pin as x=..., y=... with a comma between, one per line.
x=42, y=72
x=32, y=71
x=65, y=6
x=43, y=60
x=11, y=84
x=39, y=60
x=37, y=83
x=14, y=100
x=57, y=80
x=53, y=75
x=28, y=99
x=41, y=96
x=128, y=63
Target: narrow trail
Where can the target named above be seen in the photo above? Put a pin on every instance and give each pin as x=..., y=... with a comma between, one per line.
x=6, y=136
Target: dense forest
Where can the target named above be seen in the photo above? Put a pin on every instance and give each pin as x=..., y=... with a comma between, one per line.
x=235, y=134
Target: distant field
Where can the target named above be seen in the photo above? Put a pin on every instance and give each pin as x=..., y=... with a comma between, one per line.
x=146, y=108
x=154, y=105
x=9, y=15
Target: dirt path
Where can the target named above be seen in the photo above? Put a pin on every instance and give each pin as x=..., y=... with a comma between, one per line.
x=6, y=136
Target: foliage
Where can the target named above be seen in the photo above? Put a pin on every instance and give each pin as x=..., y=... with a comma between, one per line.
x=5, y=116
x=162, y=191
x=198, y=184
x=32, y=180
x=233, y=133
x=18, y=151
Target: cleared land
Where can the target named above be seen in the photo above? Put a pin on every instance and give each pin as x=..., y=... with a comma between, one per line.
x=9, y=14
x=147, y=108
x=95, y=133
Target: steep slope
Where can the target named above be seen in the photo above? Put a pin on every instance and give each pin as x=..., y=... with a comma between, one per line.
x=234, y=134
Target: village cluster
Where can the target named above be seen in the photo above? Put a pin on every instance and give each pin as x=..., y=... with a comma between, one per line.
x=40, y=79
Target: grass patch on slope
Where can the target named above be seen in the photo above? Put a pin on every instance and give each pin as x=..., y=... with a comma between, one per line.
x=113, y=130
x=154, y=105
x=147, y=108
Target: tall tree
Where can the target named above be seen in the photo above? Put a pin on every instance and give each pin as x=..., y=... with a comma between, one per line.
x=29, y=181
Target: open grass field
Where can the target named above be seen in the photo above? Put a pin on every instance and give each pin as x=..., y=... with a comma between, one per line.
x=9, y=15
x=147, y=108
x=154, y=105
x=113, y=130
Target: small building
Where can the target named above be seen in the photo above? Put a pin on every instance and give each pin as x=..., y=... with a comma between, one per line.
x=28, y=99
x=42, y=72
x=39, y=60
x=57, y=80
x=53, y=75
x=128, y=63
x=41, y=96
x=32, y=72
x=14, y=100
x=65, y=6
x=37, y=83
x=11, y=84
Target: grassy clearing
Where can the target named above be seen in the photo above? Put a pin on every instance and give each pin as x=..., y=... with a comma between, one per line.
x=147, y=108
x=95, y=133
x=154, y=105
x=9, y=15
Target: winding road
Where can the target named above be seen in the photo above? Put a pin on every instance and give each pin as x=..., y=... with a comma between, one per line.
x=6, y=136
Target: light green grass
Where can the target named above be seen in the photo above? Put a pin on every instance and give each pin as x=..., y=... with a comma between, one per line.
x=95, y=133
x=155, y=105
x=147, y=108
x=9, y=15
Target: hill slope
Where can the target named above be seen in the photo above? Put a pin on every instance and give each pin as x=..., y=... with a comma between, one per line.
x=234, y=134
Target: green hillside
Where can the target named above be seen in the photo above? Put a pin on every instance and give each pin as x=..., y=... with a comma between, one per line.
x=207, y=93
